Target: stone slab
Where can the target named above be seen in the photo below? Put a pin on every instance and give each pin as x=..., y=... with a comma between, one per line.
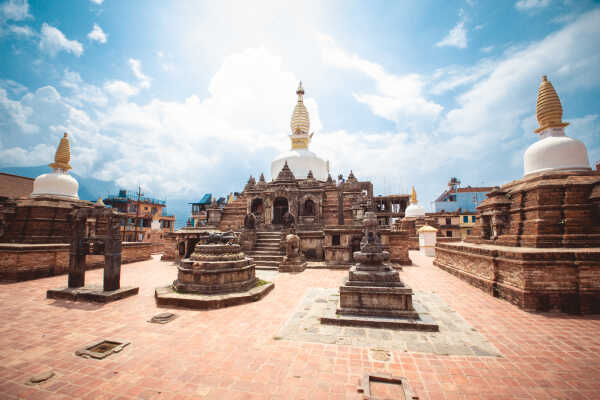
x=423, y=323
x=455, y=336
x=92, y=293
x=166, y=296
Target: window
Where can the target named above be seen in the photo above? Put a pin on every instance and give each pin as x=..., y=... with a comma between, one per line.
x=473, y=218
x=468, y=231
x=448, y=221
x=335, y=240
x=448, y=233
x=465, y=218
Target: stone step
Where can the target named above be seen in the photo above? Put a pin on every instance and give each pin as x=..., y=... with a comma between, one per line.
x=264, y=252
x=268, y=245
x=267, y=267
x=268, y=240
x=263, y=258
x=266, y=263
x=268, y=235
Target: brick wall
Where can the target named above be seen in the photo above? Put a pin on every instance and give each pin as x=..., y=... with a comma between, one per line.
x=21, y=262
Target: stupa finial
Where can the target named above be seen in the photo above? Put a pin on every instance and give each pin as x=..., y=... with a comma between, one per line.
x=413, y=196
x=63, y=154
x=300, y=123
x=548, y=108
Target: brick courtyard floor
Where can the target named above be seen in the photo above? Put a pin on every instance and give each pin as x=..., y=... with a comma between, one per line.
x=234, y=353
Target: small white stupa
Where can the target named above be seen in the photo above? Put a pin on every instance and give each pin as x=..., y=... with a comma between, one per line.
x=553, y=151
x=299, y=159
x=58, y=183
x=414, y=210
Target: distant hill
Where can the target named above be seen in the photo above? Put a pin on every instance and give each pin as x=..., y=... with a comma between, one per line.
x=89, y=188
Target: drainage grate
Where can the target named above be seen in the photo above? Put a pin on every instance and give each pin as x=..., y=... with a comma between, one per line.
x=384, y=387
x=101, y=349
x=163, y=318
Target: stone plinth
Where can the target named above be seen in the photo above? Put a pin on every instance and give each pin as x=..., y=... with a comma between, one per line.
x=559, y=279
x=374, y=288
x=216, y=268
x=92, y=293
x=398, y=242
x=216, y=275
x=373, y=294
x=297, y=264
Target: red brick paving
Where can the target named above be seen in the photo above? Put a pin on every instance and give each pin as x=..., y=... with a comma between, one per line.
x=232, y=354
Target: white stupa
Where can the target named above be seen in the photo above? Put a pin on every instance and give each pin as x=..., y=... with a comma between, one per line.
x=414, y=210
x=299, y=159
x=553, y=151
x=58, y=183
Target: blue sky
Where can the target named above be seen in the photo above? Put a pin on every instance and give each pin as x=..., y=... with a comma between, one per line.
x=192, y=97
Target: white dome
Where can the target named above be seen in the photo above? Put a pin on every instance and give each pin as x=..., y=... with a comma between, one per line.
x=300, y=162
x=57, y=183
x=556, y=153
x=414, y=210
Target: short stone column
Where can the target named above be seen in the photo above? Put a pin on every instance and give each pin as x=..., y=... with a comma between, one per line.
x=427, y=239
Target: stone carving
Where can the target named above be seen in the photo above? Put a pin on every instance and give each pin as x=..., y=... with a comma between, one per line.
x=292, y=247
x=293, y=260
x=288, y=220
x=250, y=221
x=221, y=238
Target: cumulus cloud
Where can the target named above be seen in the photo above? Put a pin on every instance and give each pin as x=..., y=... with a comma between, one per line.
x=120, y=90
x=396, y=97
x=457, y=37
x=15, y=10
x=527, y=5
x=54, y=41
x=82, y=92
x=136, y=68
x=97, y=34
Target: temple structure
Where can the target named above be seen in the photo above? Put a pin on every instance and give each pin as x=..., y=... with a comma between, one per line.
x=326, y=214
x=537, y=240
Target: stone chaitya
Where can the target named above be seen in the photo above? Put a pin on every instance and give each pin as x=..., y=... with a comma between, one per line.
x=217, y=274
x=537, y=241
x=373, y=294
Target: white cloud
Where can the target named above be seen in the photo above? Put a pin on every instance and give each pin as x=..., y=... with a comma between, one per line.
x=82, y=92
x=21, y=30
x=496, y=104
x=454, y=76
x=20, y=157
x=397, y=96
x=457, y=37
x=527, y=5
x=97, y=1
x=120, y=90
x=54, y=41
x=487, y=49
x=136, y=68
x=97, y=34
x=14, y=113
x=15, y=10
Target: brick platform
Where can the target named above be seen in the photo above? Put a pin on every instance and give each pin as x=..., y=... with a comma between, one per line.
x=234, y=353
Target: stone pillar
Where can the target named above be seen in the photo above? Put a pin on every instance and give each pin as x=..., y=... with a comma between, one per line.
x=77, y=253
x=112, y=255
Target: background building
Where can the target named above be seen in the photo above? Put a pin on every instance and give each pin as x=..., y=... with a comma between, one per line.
x=456, y=198
x=139, y=224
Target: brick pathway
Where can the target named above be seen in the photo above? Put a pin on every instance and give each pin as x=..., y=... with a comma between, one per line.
x=234, y=353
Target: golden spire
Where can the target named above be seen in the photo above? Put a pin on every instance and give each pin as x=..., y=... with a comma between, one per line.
x=413, y=196
x=300, y=122
x=63, y=154
x=548, y=108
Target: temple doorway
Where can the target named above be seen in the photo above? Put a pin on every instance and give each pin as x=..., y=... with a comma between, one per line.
x=280, y=207
x=257, y=206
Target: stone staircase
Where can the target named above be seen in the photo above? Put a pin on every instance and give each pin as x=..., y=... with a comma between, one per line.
x=267, y=253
